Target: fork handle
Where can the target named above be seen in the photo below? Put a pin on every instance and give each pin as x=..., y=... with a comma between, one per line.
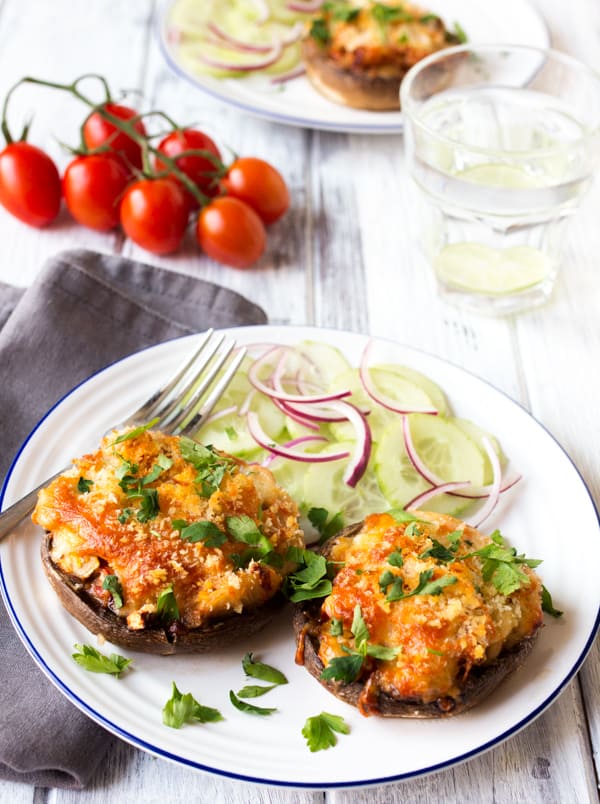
x=12, y=516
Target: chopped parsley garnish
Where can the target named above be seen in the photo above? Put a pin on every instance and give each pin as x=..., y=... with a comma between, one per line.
x=163, y=462
x=459, y=33
x=428, y=18
x=249, y=708
x=435, y=652
x=319, y=731
x=336, y=627
x=149, y=507
x=180, y=709
x=202, y=531
x=425, y=586
x=401, y=516
x=261, y=671
x=211, y=466
x=125, y=514
x=319, y=519
x=254, y=691
x=84, y=485
x=347, y=668
x=413, y=530
x=441, y=552
x=232, y=433
x=166, y=605
x=319, y=31
x=135, y=432
x=113, y=585
x=95, y=662
x=395, y=559
x=126, y=468
x=547, y=604
x=502, y=566
x=341, y=11
x=311, y=579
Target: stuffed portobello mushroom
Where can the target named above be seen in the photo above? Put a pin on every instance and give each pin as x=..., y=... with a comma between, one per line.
x=163, y=545
x=425, y=617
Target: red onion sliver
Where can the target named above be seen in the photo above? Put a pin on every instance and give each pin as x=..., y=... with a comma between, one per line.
x=267, y=443
x=253, y=376
x=425, y=496
x=289, y=76
x=275, y=55
x=494, y=494
x=484, y=491
x=220, y=414
x=288, y=410
x=416, y=461
x=293, y=443
x=248, y=47
x=306, y=6
x=377, y=396
x=357, y=466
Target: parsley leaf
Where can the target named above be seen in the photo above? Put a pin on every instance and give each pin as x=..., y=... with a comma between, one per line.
x=401, y=516
x=264, y=672
x=211, y=466
x=311, y=579
x=460, y=34
x=124, y=515
x=319, y=31
x=149, y=508
x=126, y=468
x=336, y=627
x=166, y=605
x=254, y=691
x=413, y=529
x=547, y=604
x=163, y=462
x=202, y=531
x=319, y=731
x=112, y=584
x=359, y=628
x=344, y=668
x=382, y=652
x=440, y=552
x=249, y=708
x=180, y=709
x=501, y=565
x=319, y=519
x=395, y=559
x=84, y=485
x=135, y=432
x=95, y=662
x=244, y=529
x=425, y=586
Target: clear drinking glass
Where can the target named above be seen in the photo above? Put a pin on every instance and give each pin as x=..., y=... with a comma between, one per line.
x=502, y=142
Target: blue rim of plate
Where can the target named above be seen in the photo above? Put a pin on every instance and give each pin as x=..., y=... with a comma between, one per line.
x=289, y=119
x=160, y=752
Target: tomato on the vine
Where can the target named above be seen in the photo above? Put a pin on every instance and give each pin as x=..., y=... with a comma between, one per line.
x=93, y=187
x=231, y=232
x=259, y=184
x=97, y=131
x=29, y=184
x=201, y=170
x=154, y=214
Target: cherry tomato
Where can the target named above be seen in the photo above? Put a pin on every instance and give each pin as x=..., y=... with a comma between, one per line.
x=231, y=232
x=98, y=131
x=259, y=184
x=154, y=215
x=93, y=187
x=29, y=184
x=200, y=169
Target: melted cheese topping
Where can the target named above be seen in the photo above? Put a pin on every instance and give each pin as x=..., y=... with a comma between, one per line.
x=385, y=48
x=90, y=541
x=441, y=636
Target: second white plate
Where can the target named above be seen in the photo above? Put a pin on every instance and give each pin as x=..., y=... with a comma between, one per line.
x=297, y=103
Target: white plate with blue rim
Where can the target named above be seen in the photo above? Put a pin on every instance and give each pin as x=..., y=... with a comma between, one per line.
x=297, y=103
x=271, y=750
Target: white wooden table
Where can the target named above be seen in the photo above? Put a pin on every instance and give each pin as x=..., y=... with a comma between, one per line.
x=343, y=257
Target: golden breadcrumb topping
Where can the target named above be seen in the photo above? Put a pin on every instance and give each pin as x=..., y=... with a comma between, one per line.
x=440, y=636
x=157, y=513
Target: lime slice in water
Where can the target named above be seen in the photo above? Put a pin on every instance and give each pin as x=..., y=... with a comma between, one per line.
x=509, y=176
x=481, y=269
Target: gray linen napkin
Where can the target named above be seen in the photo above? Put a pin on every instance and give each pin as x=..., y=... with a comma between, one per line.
x=84, y=311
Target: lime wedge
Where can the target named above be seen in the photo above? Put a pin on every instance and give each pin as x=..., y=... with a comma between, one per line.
x=481, y=269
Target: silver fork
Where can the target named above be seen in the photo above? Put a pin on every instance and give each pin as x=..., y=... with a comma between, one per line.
x=179, y=407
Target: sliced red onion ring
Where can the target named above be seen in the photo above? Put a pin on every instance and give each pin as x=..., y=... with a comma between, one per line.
x=288, y=410
x=290, y=75
x=494, y=494
x=264, y=12
x=425, y=496
x=377, y=396
x=238, y=44
x=275, y=55
x=484, y=491
x=307, y=6
x=253, y=376
x=293, y=443
x=267, y=443
x=357, y=465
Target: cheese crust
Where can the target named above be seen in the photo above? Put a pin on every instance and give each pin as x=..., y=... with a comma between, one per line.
x=103, y=531
x=439, y=638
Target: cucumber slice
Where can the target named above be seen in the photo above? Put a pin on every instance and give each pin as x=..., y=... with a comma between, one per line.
x=433, y=391
x=443, y=446
x=324, y=487
x=476, y=434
